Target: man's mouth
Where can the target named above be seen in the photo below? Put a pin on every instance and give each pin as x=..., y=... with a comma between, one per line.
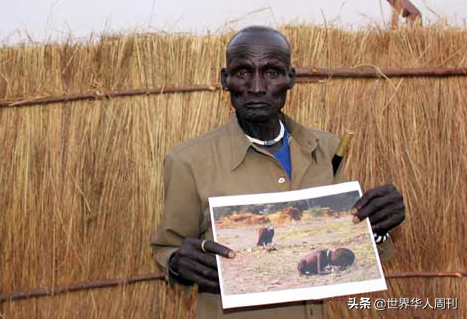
x=255, y=105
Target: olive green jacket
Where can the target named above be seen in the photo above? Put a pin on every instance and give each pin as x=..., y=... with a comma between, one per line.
x=223, y=162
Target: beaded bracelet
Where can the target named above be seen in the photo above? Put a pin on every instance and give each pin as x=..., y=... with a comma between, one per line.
x=379, y=239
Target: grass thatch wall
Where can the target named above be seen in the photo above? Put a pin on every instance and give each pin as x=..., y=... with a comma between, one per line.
x=81, y=187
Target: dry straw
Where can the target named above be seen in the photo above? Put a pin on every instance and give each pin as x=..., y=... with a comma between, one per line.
x=81, y=181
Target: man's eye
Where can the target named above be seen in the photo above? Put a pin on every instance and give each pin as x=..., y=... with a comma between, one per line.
x=272, y=73
x=243, y=73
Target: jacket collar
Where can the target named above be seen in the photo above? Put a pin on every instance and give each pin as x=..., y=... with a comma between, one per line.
x=239, y=144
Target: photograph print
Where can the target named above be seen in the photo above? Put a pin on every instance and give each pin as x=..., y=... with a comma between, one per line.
x=296, y=245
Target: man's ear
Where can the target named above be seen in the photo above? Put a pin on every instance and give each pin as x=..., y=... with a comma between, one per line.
x=224, y=76
x=292, y=77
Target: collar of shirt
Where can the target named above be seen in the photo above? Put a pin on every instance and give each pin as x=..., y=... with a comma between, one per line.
x=239, y=144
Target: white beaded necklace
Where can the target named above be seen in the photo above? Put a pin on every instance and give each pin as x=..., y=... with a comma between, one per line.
x=270, y=142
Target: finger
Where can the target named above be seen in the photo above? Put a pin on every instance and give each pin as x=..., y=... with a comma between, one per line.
x=199, y=279
x=373, y=193
x=378, y=204
x=191, y=241
x=203, y=282
x=189, y=265
x=210, y=246
x=200, y=256
x=379, y=216
x=386, y=225
x=218, y=249
x=390, y=211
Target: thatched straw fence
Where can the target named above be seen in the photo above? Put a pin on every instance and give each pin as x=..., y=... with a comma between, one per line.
x=84, y=128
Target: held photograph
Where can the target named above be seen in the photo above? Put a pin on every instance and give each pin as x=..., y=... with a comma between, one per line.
x=296, y=245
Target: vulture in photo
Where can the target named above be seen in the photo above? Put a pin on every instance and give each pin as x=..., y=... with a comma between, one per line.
x=265, y=236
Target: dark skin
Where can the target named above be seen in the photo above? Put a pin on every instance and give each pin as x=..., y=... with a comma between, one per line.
x=258, y=76
x=319, y=258
x=197, y=266
x=383, y=205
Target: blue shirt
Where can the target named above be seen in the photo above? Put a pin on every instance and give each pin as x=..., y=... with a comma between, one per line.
x=283, y=155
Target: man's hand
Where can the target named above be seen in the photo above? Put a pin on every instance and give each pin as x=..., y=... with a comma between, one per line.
x=383, y=205
x=200, y=267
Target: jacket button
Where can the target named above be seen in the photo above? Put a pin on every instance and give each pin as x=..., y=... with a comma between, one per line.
x=281, y=180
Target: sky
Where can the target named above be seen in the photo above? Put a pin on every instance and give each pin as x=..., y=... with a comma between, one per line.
x=46, y=20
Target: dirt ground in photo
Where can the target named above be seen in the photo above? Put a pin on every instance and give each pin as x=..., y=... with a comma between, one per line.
x=274, y=267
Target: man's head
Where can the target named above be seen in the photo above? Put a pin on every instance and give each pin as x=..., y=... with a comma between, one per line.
x=258, y=73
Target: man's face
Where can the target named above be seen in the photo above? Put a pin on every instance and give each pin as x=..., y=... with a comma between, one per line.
x=258, y=75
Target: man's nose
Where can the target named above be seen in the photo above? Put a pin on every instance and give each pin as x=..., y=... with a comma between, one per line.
x=258, y=86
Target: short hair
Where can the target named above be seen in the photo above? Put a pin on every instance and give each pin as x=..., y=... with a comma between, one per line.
x=259, y=29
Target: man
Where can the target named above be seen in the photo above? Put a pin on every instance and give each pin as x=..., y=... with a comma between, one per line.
x=260, y=150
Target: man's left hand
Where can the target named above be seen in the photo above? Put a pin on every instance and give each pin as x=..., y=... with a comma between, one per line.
x=383, y=205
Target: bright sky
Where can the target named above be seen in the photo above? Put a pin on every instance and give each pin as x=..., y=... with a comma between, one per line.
x=55, y=19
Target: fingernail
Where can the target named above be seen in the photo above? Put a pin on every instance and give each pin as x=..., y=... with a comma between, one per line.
x=231, y=254
x=356, y=219
x=353, y=211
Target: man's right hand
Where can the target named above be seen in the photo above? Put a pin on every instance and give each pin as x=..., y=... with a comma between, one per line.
x=197, y=266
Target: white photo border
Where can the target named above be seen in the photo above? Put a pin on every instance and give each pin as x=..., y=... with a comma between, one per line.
x=299, y=294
